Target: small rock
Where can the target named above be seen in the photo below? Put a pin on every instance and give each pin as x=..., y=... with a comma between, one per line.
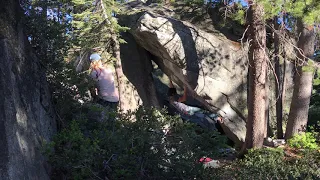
x=268, y=142
x=278, y=142
x=213, y=164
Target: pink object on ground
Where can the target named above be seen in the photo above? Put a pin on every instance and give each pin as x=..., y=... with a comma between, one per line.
x=205, y=159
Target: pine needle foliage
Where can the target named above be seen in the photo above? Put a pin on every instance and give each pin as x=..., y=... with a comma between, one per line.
x=94, y=22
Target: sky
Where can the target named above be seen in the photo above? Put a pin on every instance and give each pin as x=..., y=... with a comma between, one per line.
x=243, y=2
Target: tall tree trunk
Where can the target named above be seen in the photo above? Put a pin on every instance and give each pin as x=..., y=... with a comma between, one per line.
x=267, y=107
x=257, y=77
x=121, y=79
x=268, y=130
x=298, y=116
x=278, y=81
x=285, y=65
x=284, y=82
x=119, y=73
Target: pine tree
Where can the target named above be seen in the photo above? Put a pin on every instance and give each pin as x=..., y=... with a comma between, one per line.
x=298, y=116
x=46, y=30
x=279, y=83
x=258, y=58
x=307, y=14
x=96, y=26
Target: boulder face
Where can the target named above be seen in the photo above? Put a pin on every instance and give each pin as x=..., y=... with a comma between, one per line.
x=26, y=115
x=211, y=67
x=137, y=67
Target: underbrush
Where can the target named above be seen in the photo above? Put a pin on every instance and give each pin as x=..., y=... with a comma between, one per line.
x=307, y=140
x=148, y=144
x=154, y=146
x=272, y=163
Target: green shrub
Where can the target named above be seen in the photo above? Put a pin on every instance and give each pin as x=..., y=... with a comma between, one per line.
x=314, y=111
x=123, y=149
x=304, y=140
x=314, y=117
x=263, y=164
x=270, y=163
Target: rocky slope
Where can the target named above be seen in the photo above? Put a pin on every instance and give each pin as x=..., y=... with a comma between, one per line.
x=26, y=115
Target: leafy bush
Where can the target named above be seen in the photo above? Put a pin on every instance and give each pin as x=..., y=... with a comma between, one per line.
x=314, y=117
x=124, y=149
x=314, y=111
x=270, y=163
x=304, y=140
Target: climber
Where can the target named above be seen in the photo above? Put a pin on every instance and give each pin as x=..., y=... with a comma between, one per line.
x=107, y=93
x=181, y=107
x=190, y=113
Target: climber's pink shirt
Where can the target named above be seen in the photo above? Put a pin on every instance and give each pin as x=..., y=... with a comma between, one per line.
x=105, y=84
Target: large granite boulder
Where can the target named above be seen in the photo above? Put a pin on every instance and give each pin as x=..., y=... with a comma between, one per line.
x=137, y=67
x=212, y=68
x=26, y=115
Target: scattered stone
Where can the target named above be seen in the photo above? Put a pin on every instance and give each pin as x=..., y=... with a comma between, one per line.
x=209, y=163
x=268, y=142
x=273, y=142
x=278, y=142
x=212, y=164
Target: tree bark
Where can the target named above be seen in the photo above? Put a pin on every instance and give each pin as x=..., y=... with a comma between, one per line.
x=284, y=84
x=284, y=80
x=278, y=81
x=119, y=73
x=267, y=107
x=298, y=116
x=257, y=77
x=115, y=45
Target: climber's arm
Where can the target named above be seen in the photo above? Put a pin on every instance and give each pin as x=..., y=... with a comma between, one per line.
x=184, y=96
x=170, y=83
x=220, y=120
x=93, y=92
x=91, y=86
